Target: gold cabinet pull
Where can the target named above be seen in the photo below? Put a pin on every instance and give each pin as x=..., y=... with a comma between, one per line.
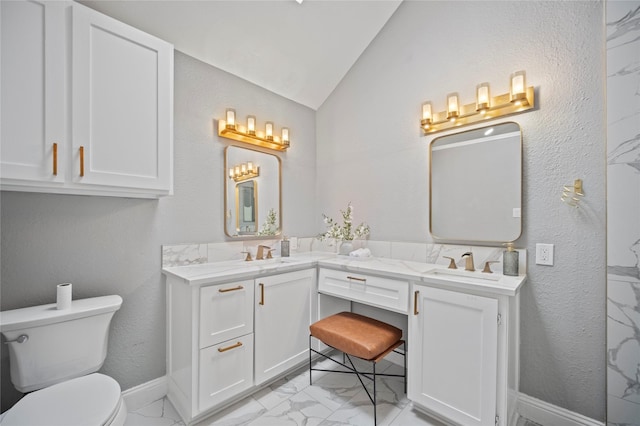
x=228, y=348
x=224, y=290
x=364, y=280
x=55, y=159
x=82, y=161
x=415, y=302
x=261, y=294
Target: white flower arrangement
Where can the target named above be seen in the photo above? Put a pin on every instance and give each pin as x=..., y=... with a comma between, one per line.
x=346, y=231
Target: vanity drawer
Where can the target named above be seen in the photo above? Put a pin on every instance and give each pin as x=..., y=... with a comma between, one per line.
x=226, y=311
x=226, y=370
x=385, y=293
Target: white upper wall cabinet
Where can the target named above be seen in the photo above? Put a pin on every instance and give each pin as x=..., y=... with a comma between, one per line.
x=90, y=114
x=32, y=91
x=121, y=103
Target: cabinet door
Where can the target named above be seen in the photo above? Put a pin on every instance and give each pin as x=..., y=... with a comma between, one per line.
x=226, y=311
x=122, y=104
x=282, y=319
x=453, y=355
x=32, y=89
x=225, y=371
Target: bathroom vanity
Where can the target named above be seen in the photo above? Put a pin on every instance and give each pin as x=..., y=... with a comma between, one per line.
x=233, y=327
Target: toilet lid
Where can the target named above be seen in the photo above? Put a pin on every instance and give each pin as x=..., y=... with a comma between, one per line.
x=86, y=401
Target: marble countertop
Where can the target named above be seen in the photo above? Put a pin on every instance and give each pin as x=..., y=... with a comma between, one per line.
x=219, y=272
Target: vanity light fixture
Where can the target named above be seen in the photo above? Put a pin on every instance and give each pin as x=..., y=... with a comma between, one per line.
x=268, y=131
x=251, y=125
x=229, y=129
x=427, y=115
x=518, y=86
x=519, y=99
x=482, y=97
x=244, y=171
x=231, y=119
x=453, y=110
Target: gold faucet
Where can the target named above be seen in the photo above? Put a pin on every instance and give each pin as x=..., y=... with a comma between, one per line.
x=260, y=255
x=468, y=266
x=452, y=262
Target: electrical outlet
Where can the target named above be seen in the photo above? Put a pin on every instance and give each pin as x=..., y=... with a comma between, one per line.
x=544, y=254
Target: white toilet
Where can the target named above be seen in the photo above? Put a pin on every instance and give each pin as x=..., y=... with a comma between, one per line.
x=54, y=354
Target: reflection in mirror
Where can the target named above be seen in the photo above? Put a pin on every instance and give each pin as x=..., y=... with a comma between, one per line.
x=246, y=207
x=476, y=185
x=252, y=193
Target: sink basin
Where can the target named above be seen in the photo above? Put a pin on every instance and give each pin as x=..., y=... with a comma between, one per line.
x=467, y=275
x=274, y=260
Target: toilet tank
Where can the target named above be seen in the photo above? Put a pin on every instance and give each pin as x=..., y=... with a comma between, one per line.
x=61, y=344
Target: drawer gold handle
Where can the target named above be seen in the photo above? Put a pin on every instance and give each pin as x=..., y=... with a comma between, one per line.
x=415, y=302
x=228, y=348
x=261, y=294
x=364, y=280
x=55, y=159
x=81, y=161
x=224, y=290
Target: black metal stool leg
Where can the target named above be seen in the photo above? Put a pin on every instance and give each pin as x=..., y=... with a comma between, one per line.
x=310, y=378
x=375, y=419
x=405, y=367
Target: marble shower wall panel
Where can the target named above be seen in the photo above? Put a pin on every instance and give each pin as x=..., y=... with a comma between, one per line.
x=623, y=212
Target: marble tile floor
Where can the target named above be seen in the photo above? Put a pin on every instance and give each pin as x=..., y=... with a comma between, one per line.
x=334, y=399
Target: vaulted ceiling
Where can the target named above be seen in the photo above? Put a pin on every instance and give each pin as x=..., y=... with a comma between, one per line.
x=298, y=50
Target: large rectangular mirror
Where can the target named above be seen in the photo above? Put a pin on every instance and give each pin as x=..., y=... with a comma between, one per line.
x=476, y=185
x=252, y=201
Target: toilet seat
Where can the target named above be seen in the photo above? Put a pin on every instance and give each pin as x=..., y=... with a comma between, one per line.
x=93, y=400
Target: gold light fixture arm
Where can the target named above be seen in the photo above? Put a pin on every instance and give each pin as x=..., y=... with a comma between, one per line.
x=519, y=99
x=230, y=129
x=501, y=106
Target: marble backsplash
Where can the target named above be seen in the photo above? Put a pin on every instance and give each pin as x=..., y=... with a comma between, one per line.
x=190, y=254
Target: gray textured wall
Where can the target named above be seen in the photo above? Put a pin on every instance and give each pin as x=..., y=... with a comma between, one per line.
x=371, y=152
x=109, y=245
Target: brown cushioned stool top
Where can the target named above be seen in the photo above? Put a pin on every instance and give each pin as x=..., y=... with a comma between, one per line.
x=356, y=335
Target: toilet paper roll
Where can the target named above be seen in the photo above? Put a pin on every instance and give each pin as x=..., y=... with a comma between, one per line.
x=63, y=296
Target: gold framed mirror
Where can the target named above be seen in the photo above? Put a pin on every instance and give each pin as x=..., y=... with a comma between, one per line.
x=252, y=202
x=475, y=185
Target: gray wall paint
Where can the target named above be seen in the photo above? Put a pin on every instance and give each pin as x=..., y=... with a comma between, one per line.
x=370, y=151
x=109, y=245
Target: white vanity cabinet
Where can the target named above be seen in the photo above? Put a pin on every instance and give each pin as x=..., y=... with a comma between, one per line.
x=225, y=338
x=283, y=313
x=386, y=293
x=226, y=342
x=209, y=343
x=87, y=103
x=463, y=354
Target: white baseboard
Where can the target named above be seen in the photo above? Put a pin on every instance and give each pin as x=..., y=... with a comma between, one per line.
x=144, y=394
x=547, y=414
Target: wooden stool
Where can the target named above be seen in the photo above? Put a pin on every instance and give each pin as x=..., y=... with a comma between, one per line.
x=362, y=337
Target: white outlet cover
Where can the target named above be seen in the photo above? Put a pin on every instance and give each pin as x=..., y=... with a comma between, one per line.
x=544, y=254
